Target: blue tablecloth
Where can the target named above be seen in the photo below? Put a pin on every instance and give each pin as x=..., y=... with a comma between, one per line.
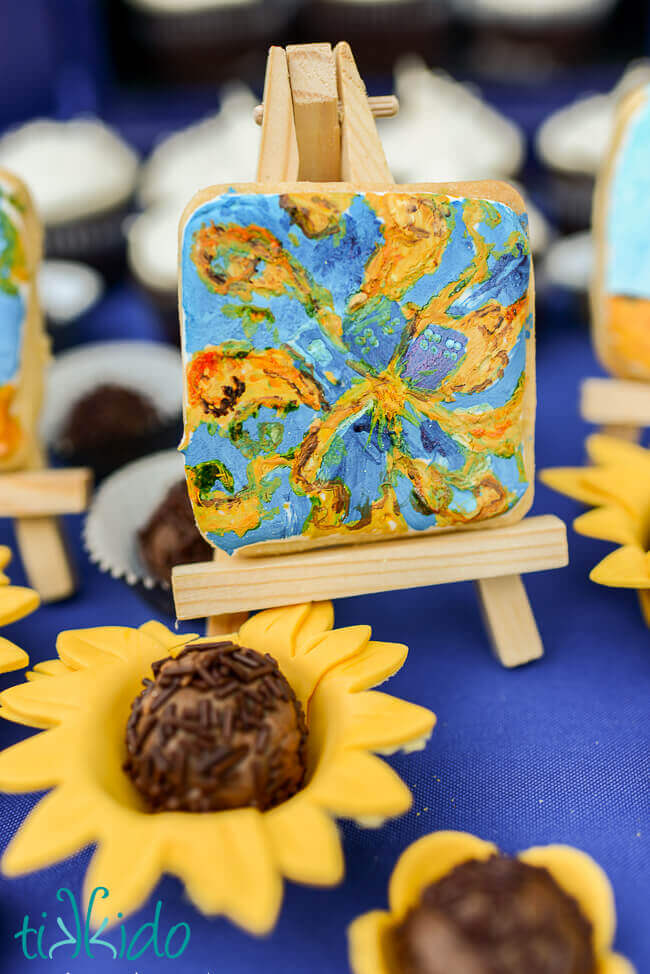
x=555, y=751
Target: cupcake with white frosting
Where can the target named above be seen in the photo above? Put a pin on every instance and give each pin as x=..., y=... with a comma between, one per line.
x=438, y=119
x=572, y=144
x=530, y=40
x=82, y=176
x=220, y=149
x=203, y=40
x=380, y=31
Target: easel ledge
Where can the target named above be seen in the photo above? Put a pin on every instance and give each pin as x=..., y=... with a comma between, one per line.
x=620, y=406
x=492, y=558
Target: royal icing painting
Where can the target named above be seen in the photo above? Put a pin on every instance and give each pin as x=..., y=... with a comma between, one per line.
x=622, y=295
x=356, y=363
x=13, y=313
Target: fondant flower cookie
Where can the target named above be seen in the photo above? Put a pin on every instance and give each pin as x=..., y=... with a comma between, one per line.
x=16, y=602
x=618, y=486
x=227, y=770
x=456, y=903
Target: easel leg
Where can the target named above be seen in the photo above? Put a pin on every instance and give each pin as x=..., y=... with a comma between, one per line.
x=230, y=621
x=223, y=625
x=45, y=557
x=509, y=620
x=630, y=433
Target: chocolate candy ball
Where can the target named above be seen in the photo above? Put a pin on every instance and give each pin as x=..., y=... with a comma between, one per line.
x=499, y=916
x=218, y=727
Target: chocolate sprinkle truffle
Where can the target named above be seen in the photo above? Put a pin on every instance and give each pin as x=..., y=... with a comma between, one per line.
x=218, y=727
x=171, y=536
x=108, y=414
x=499, y=916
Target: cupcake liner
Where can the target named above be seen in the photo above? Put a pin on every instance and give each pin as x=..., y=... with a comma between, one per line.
x=97, y=240
x=149, y=368
x=379, y=32
x=201, y=45
x=120, y=508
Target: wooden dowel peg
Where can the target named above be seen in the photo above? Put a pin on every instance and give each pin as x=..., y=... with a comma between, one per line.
x=381, y=106
x=45, y=557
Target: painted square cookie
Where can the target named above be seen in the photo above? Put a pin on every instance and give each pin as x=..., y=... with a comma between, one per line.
x=23, y=346
x=621, y=285
x=358, y=363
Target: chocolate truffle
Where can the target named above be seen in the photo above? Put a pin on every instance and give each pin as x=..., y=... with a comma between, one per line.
x=108, y=414
x=499, y=916
x=218, y=727
x=171, y=536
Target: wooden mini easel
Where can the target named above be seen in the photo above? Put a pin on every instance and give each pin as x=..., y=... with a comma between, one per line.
x=317, y=125
x=34, y=498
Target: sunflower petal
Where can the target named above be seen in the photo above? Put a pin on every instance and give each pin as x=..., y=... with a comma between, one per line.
x=627, y=567
x=324, y=654
x=16, y=602
x=49, y=667
x=33, y=764
x=381, y=722
x=585, y=881
x=305, y=842
x=365, y=939
x=61, y=824
x=615, y=964
x=128, y=864
x=168, y=640
x=644, y=600
x=428, y=860
x=80, y=648
x=319, y=619
x=5, y=556
x=360, y=786
x=275, y=631
x=610, y=451
x=47, y=701
x=8, y=714
x=12, y=657
x=609, y=524
x=374, y=664
x=573, y=482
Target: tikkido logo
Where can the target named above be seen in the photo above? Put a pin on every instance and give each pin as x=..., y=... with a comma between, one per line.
x=39, y=940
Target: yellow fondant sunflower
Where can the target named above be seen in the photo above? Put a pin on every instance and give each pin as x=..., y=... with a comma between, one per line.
x=432, y=857
x=15, y=603
x=618, y=486
x=232, y=862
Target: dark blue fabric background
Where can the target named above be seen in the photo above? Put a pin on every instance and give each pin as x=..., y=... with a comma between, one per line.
x=555, y=751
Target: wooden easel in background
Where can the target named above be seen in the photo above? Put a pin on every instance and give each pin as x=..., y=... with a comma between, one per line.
x=34, y=498
x=318, y=125
x=621, y=407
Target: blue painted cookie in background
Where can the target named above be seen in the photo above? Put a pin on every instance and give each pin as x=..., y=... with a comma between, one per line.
x=355, y=363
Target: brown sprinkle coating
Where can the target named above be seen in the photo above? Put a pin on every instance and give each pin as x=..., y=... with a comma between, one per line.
x=498, y=916
x=218, y=727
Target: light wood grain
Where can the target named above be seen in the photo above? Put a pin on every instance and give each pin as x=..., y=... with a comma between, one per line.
x=509, y=620
x=45, y=557
x=278, y=158
x=381, y=106
x=312, y=73
x=34, y=493
x=362, y=154
x=615, y=402
x=225, y=624
x=535, y=544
